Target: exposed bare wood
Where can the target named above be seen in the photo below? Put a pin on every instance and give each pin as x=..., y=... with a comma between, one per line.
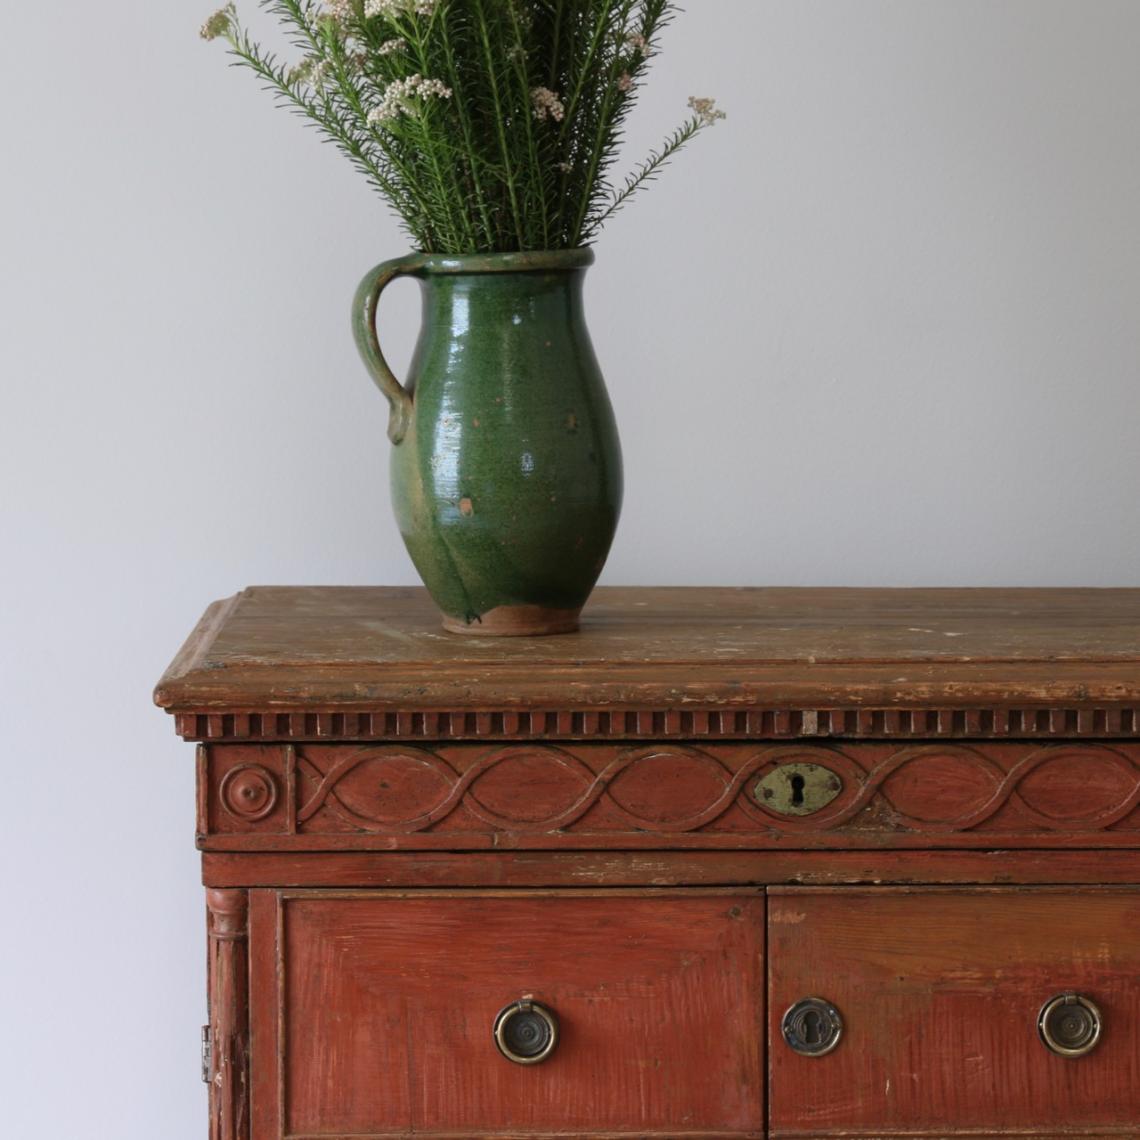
x=338, y=650
x=667, y=868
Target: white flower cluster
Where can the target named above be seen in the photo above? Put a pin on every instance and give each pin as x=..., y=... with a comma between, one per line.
x=217, y=25
x=312, y=71
x=547, y=105
x=399, y=94
x=706, y=111
x=390, y=47
x=639, y=44
x=393, y=8
x=339, y=10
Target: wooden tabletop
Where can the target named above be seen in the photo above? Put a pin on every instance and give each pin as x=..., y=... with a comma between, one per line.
x=355, y=648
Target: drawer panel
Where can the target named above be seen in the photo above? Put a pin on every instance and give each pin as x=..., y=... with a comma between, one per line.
x=859, y=794
x=939, y=993
x=387, y=1003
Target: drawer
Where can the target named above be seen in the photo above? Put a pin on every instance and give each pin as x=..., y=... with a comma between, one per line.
x=939, y=993
x=702, y=795
x=384, y=1007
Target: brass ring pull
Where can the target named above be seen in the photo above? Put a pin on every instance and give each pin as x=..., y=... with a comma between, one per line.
x=812, y=1027
x=1069, y=1025
x=526, y=1032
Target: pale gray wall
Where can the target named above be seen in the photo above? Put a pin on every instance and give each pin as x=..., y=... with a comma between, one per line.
x=879, y=327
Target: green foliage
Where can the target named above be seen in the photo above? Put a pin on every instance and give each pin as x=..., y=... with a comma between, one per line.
x=488, y=125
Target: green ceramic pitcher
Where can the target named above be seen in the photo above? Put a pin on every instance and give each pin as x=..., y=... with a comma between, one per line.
x=506, y=465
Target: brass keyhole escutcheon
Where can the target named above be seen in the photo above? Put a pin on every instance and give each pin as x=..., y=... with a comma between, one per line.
x=798, y=789
x=812, y=1027
x=1069, y=1025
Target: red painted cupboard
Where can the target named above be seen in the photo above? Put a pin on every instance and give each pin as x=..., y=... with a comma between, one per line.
x=727, y=863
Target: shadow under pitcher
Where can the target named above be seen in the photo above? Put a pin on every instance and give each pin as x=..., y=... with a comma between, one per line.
x=506, y=464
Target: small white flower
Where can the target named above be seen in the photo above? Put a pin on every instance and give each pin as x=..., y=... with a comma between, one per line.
x=300, y=73
x=389, y=47
x=391, y=9
x=311, y=71
x=706, y=111
x=639, y=44
x=339, y=10
x=625, y=83
x=399, y=97
x=547, y=105
x=217, y=25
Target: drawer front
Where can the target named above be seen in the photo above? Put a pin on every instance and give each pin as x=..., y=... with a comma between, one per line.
x=695, y=795
x=386, y=1005
x=939, y=994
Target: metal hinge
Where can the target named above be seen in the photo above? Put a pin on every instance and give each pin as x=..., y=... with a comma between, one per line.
x=207, y=1054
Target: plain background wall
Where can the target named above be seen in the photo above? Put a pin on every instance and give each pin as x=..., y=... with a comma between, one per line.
x=881, y=326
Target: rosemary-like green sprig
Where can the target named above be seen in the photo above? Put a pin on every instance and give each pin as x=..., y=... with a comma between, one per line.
x=489, y=126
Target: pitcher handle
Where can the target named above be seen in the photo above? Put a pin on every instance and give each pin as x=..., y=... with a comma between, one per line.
x=368, y=340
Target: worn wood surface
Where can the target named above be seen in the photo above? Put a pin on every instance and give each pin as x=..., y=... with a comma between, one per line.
x=266, y=1017
x=420, y=822
x=666, y=868
x=940, y=991
x=344, y=649
x=1054, y=1133
x=228, y=973
x=401, y=797
x=390, y=1001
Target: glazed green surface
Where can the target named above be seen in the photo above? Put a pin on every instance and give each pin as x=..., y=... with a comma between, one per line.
x=507, y=482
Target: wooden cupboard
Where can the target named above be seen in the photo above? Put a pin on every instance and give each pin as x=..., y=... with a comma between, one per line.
x=727, y=863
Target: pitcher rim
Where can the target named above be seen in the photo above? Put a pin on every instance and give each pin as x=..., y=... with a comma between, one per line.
x=527, y=261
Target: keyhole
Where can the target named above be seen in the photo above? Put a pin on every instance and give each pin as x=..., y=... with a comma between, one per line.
x=797, y=791
x=812, y=1027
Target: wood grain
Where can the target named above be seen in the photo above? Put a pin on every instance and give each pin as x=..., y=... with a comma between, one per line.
x=228, y=975
x=666, y=868
x=391, y=999
x=667, y=795
x=354, y=648
x=265, y=1015
x=424, y=827
x=940, y=992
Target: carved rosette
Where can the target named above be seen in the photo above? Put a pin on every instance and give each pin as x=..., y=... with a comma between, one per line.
x=248, y=792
